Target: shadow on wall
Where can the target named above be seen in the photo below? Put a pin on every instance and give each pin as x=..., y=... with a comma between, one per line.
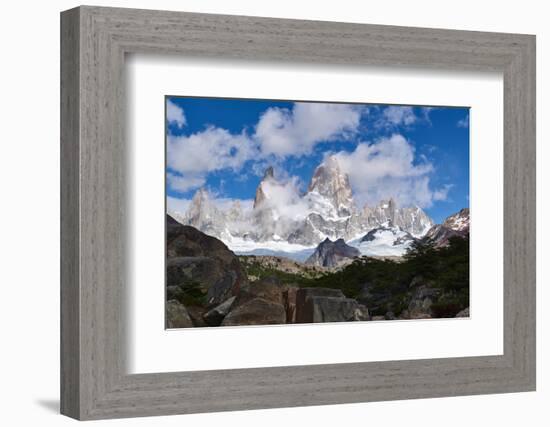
x=51, y=405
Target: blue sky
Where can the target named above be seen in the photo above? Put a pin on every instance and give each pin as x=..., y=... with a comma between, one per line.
x=418, y=155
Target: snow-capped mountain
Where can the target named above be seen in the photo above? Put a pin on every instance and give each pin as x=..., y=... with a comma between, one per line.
x=282, y=217
x=411, y=219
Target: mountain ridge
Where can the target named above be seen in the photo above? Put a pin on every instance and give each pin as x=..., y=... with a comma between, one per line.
x=279, y=214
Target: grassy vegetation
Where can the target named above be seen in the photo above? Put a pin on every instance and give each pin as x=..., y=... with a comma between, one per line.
x=385, y=285
x=189, y=294
x=258, y=270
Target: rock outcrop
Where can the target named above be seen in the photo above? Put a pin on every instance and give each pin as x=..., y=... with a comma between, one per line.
x=196, y=260
x=456, y=225
x=315, y=305
x=332, y=254
x=332, y=309
x=303, y=294
x=256, y=311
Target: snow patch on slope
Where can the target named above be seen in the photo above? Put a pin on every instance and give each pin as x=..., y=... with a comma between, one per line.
x=384, y=242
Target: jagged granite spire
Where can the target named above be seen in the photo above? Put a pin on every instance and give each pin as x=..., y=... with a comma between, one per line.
x=260, y=191
x=329, y=182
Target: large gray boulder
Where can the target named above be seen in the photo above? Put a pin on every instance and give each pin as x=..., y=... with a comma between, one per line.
x=333, y=309
x=303, y=294
x=196, y=259
x=256, y=311
x=177, y=315
x=420, y=305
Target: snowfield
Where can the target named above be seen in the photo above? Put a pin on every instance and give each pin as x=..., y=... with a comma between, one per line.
x=383, y=243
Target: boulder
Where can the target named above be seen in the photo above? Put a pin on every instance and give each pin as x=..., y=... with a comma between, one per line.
x=196, y=259
x=215, y=316
x=421, y=302
x=269, y=289
x=419, y=308
x=303, y=294
x=389, y=315
x=177, y=315
x=464, y=313
x=256, y=311
x=333, y=309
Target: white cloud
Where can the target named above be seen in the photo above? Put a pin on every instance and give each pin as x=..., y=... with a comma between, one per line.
x=175, y=114
x=387, y=168
x=185, y=183
x=210, y=150
x=285, y=199
x=464, y=122
x=398, y=116
x=279, y=133
x=283, y=132
x=442, y=193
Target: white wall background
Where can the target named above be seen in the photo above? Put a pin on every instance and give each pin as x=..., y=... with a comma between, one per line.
x=29, y=214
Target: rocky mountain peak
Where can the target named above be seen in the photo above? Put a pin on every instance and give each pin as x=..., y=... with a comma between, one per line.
x=260, y=197
x=460, y=221
x=269, y=173
x=327, y=209
x=387, y=213
x=204, y=215
x=200, y=203
x=329, y=182
x=456, y=225
x=332, y=254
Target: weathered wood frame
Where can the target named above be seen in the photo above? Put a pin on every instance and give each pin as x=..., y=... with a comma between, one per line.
x=94, y=41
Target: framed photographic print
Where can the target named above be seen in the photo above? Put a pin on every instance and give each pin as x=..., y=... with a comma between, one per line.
x=349, y=208
x=319, y=213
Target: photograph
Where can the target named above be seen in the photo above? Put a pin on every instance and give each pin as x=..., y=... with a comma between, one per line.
x=286, y=212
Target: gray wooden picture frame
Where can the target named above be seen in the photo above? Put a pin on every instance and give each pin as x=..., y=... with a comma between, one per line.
x=94, y=41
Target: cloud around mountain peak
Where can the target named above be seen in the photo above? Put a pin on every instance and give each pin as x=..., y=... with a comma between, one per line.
x=378, y=169
x=387, y=168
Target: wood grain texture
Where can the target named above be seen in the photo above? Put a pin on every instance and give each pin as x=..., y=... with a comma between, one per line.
x=94, y=272
x=70, y=297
